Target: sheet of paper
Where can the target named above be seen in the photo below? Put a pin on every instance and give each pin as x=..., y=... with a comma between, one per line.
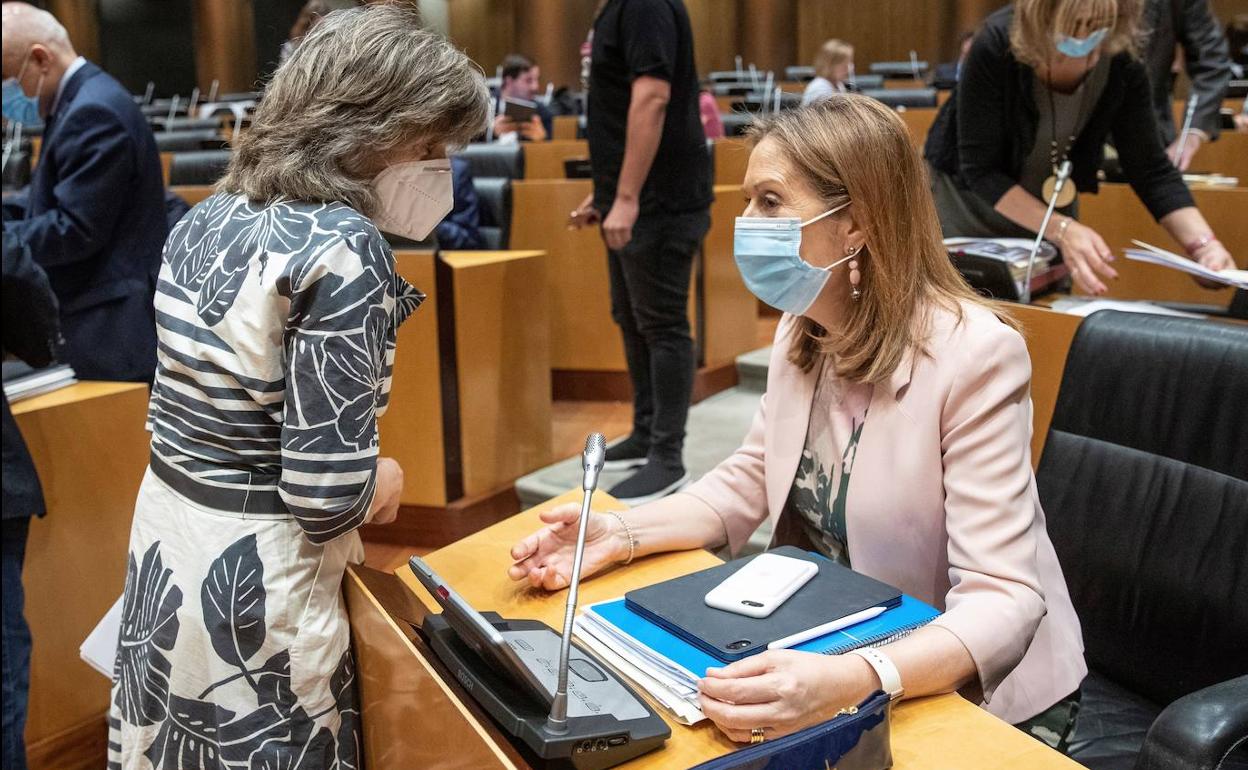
x=1086, y=307
x=99, y=649
x=1155, y=256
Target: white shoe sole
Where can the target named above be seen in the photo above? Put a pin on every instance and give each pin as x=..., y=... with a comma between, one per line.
x=623, y=465
x=675, y=486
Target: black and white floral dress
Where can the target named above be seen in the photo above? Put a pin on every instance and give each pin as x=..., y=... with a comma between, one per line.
x=276, y=328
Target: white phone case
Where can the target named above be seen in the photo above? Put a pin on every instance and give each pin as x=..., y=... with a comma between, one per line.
x=760, y=587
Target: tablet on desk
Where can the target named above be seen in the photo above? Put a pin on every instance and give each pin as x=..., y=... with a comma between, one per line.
x=519, y=110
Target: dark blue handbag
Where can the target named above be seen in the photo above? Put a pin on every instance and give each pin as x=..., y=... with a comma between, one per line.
x=855, y=739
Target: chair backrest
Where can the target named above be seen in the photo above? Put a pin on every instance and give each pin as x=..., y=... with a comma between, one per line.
x=494, y=160
x=184, y=124
x=1144, y=482
x=201, y=167
x=898, y=69
x=903, y=97
x=800, y=73
x=494, y=204
x=186, y=141
x=735, y=122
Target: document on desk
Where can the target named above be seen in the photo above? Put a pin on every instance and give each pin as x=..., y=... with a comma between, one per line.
x=99, y=649
x=1085, y=307
x=1155, y=256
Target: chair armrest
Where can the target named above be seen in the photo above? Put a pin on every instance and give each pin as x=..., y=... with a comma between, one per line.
x=1197, y=731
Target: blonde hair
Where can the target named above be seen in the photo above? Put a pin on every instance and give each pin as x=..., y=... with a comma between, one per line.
x=854, y=148
x=1037, y=23
x=364, y=82
x=830, y=54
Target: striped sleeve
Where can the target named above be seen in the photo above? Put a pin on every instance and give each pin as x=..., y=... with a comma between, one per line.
x=337, y=336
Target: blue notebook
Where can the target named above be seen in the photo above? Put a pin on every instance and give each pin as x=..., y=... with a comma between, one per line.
x=889, y=625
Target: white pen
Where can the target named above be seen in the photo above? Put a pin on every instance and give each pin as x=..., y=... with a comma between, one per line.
x=827, y=628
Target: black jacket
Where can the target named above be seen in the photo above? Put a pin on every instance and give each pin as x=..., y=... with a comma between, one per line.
x=1208, y=64
x=30, y=333
x=984, y=132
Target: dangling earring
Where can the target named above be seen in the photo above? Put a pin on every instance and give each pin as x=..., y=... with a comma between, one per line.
x=855, y=275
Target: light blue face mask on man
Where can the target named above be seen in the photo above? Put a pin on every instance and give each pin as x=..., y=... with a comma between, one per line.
x=17, y=107
x=767, y=250
x=1079, y=47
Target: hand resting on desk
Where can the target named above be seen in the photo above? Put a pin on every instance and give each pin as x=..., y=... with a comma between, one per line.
x=544, y=558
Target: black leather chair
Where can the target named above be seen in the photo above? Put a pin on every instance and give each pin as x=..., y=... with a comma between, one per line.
x=899, y=69
x=494, y=206
x=199, y=168
x=799, y=73
x=187, y=141
x=16, y=172
x=903, y=97
x=735, y=123
x=1144, y=481
x=766, y=103
x=184, y=124
x=494, y=160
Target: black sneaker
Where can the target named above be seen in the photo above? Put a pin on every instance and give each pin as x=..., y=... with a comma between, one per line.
x=626, y=454
x=652, y=482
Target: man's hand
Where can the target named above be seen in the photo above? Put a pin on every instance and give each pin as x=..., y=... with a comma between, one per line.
x=533, y=131
x=617, y=228
x=503, y=124
x=1181, y=157
x=584, y=214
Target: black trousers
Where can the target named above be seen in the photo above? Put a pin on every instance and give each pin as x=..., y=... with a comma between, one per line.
x=650, y=302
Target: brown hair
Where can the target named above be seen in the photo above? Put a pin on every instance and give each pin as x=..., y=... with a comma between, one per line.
x=830, y=54
x=1036, y=24
x=854, y=148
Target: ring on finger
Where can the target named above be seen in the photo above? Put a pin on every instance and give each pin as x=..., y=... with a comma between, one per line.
x=758, y=735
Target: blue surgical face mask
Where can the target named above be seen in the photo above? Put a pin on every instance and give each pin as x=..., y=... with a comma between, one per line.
x=768, y=254
x=17, y=106
x=1079, y=47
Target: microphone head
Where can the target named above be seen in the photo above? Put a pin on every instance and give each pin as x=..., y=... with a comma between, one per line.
x=595, y=450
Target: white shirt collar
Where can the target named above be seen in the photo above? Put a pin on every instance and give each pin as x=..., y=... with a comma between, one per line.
x=73, y=68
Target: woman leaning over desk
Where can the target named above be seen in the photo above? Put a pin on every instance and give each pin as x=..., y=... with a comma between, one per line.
x=894, y=437
x=1049, y=81
x=277, y=310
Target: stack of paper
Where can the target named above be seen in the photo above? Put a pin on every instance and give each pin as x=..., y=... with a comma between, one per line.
x=20, y=381
x=1156, y=256
x=1085, y=307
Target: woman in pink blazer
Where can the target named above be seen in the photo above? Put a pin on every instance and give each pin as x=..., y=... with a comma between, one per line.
x=894, y=436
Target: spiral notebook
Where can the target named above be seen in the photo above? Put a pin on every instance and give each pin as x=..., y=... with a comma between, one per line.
x=614, y=624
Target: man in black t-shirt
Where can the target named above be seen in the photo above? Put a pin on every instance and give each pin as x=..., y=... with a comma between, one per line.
x=652, y=193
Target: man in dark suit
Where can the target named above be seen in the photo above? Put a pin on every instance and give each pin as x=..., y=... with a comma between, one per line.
x=30, y=332
x=94, y=213
x=1192, y=25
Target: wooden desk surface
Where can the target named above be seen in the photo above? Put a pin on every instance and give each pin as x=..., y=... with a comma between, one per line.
x=74, y=394
x=940, y=731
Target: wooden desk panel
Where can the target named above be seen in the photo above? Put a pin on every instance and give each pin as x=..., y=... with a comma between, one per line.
x=411, y=429
x=192, y=193
x=940, y=731
x=544, y=160
x=502, y=350
x=564, y=127
x=166, y=162
x=729, y=309
x=732, y=157
x=1119, y=216
x=91, y=450
x=582, y=334
x=1227, y=156
x=1048, y=334
x=919, y=121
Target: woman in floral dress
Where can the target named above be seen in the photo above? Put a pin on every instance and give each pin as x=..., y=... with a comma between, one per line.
x=276, y=308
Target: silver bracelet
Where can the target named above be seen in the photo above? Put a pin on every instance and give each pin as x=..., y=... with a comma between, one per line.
x=1061, y=229
x=628, y=532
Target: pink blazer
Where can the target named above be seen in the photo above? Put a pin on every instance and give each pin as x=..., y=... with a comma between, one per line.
x=942, y=501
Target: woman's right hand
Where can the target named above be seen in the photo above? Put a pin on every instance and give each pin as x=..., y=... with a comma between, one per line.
x=544, y=558
x=1086, y=255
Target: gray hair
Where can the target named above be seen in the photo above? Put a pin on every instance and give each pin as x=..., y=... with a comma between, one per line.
x=363, y=83
x=25, y=25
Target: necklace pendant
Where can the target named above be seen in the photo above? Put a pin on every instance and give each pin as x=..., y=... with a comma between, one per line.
x=1065, y=197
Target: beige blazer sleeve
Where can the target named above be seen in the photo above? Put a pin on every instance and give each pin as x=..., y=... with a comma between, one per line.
x=995, y=602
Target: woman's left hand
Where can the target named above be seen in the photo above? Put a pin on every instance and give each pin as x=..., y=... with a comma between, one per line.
x=783, y=691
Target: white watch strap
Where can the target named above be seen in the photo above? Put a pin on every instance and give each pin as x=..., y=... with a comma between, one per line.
x=890, y=677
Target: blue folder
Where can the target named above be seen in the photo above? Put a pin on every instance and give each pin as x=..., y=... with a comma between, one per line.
x=891, y=624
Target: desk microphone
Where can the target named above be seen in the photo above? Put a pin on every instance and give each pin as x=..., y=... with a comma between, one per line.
x=591, y=465
x=914, y=64
x=1063, y=174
